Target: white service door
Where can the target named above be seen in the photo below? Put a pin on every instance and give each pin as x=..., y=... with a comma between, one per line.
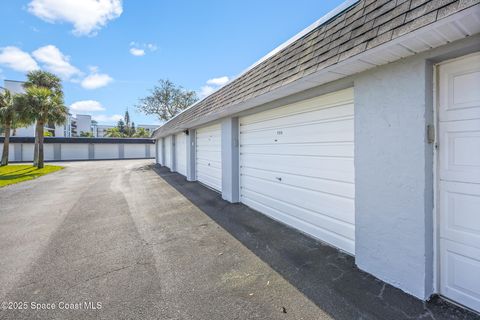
x=296, y=166
x=168, y=152
x=209, y=156
x=160, y=151
x=181, y=153
x=459, y=180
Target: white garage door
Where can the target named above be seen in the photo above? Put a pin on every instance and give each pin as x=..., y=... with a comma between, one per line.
x=160, y=151
x=296, y=166
x=11, y=152
x=459, y=180
x=133, y=151
x=28, y=148
x=74, y=151
x=168, y=152
x=181, y=153
x=106, y=151
x=209, y=156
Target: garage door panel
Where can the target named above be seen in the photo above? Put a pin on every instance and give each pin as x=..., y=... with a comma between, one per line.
x=106, y=151
x=340, y=240
x=160, y=151
x=134, y=151
x=181, y=153
x=210, y=153
x=337, y=169
x=298, y=118
x=334, y=206
x=28, y=148
x=297, y=165
x=343, y=149
x=212, y=137
x=209, y=156
x=458, y=101
x=305, y=214
x=74, y=151
x=461, y=150
x=343, y=189
x=210, y=164
x=168, y=152
x=342, y=97
x=459, y=210
x=460, y=275
x=209, y=180
x=335, y=131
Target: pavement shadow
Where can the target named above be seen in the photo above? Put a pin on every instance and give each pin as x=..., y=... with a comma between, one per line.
x=327, y=276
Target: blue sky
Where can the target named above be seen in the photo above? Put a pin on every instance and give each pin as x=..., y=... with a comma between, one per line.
x=111, y=52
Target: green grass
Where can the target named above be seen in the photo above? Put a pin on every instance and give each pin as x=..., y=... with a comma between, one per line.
x=21, y=172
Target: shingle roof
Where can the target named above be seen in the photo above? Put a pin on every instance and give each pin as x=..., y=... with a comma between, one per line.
x=363, y=26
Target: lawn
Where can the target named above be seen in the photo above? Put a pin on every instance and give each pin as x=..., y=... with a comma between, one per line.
x=17, y=173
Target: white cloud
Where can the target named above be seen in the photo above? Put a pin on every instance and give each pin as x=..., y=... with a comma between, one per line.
x=140, y=49
x=137, y=52
x=218, y=81
x=87, y=106
x=87, y=16
x=95, y=79
x=16, y=59
x=152, y=47
x=103, y=118
x=55, y=61
x=205, y=91
x=212, y=85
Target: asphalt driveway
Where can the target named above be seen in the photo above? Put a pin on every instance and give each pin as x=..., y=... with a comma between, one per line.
x=124, y=240
x=116, y=233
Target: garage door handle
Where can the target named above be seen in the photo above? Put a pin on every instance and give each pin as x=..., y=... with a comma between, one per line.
x=209, y=164
x=278, y=178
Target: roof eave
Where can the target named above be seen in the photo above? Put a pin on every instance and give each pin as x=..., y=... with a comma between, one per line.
x=393, y=50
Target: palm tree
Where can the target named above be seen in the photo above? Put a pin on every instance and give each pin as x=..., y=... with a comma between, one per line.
x=141, y=133
x=48, y=80
x=7, y=115
x=45, y=106
x=114, y=133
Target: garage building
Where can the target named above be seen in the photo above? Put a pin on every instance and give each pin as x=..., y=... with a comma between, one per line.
x=362, y=131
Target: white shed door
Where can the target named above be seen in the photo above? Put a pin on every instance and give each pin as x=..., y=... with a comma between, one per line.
x=181, y=153
x=209, y=156
x=160, y=151
x=296, y=166
x=459, y=180
x=168, y=152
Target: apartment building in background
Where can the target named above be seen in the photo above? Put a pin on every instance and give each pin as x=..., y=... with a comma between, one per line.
x=75, y=126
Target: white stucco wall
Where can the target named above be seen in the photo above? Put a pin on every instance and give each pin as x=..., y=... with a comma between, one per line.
x=391, y=157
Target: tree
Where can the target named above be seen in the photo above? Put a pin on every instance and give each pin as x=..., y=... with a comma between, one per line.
x=45, y=106
x=141, y=133
x=114, y=133
x=7, y=114
x=47, y=80
x=44, y=79
x=121, y=126
x=166, y=100
x=86, y=134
